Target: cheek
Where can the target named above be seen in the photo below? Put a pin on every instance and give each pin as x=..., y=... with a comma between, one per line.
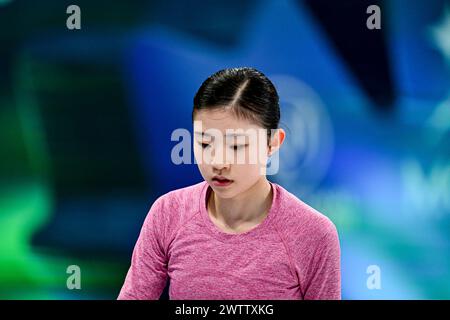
x=202, y=167
x=258, y=154
x=247, y=172
x=199, y=155
x=252, y=170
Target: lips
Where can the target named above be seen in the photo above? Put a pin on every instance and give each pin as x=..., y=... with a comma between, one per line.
x=221, y=181
x=220, y=178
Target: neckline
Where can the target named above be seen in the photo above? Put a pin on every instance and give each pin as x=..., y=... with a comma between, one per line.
x=253, y=233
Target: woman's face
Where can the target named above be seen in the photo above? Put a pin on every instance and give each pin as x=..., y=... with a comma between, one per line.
x=233, y=148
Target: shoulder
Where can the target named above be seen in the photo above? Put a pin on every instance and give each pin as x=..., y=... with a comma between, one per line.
x=176, y=207
x=297, y=220
x=182, y=198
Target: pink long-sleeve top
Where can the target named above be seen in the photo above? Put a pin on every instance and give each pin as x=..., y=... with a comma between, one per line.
x=293, y=253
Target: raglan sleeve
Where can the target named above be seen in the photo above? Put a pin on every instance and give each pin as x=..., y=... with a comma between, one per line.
x=324, y=279
x=147, y=274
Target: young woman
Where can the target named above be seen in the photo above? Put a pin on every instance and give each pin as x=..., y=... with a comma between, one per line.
x=235, y=235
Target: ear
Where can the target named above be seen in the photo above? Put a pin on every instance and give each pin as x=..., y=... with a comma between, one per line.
x=276, y=141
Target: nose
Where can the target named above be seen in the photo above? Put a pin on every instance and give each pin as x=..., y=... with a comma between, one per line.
x=218, y=161
x=220, y=166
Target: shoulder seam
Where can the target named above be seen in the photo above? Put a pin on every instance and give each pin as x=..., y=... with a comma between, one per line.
x=183, y=224
x=174, y=233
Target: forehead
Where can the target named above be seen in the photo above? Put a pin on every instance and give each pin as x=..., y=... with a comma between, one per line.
x=222, y=120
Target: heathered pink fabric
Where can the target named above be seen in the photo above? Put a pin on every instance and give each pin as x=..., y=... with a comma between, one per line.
x=293, y=253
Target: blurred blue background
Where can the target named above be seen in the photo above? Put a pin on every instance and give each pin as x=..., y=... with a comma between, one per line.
x=86, y=118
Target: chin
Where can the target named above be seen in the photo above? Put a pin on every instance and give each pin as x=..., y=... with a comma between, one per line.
x=224, y=193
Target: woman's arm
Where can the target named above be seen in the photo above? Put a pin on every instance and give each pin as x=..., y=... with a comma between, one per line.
x=147, y=275
x=324, y=281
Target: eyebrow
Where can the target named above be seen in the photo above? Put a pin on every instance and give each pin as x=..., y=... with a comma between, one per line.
x=228, y=135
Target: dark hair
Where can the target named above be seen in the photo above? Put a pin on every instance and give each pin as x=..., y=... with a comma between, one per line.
x=246, y=92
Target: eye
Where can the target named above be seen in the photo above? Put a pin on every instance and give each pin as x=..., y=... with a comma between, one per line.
x=239, y=147
x=204, y=145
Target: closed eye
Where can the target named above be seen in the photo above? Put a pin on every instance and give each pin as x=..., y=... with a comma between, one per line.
x=238, y=147
x=235, y=148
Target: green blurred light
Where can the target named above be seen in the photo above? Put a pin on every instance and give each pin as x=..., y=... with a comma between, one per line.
x=26, y=205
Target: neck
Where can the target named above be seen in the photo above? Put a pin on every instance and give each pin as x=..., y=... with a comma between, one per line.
x=245, y=210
